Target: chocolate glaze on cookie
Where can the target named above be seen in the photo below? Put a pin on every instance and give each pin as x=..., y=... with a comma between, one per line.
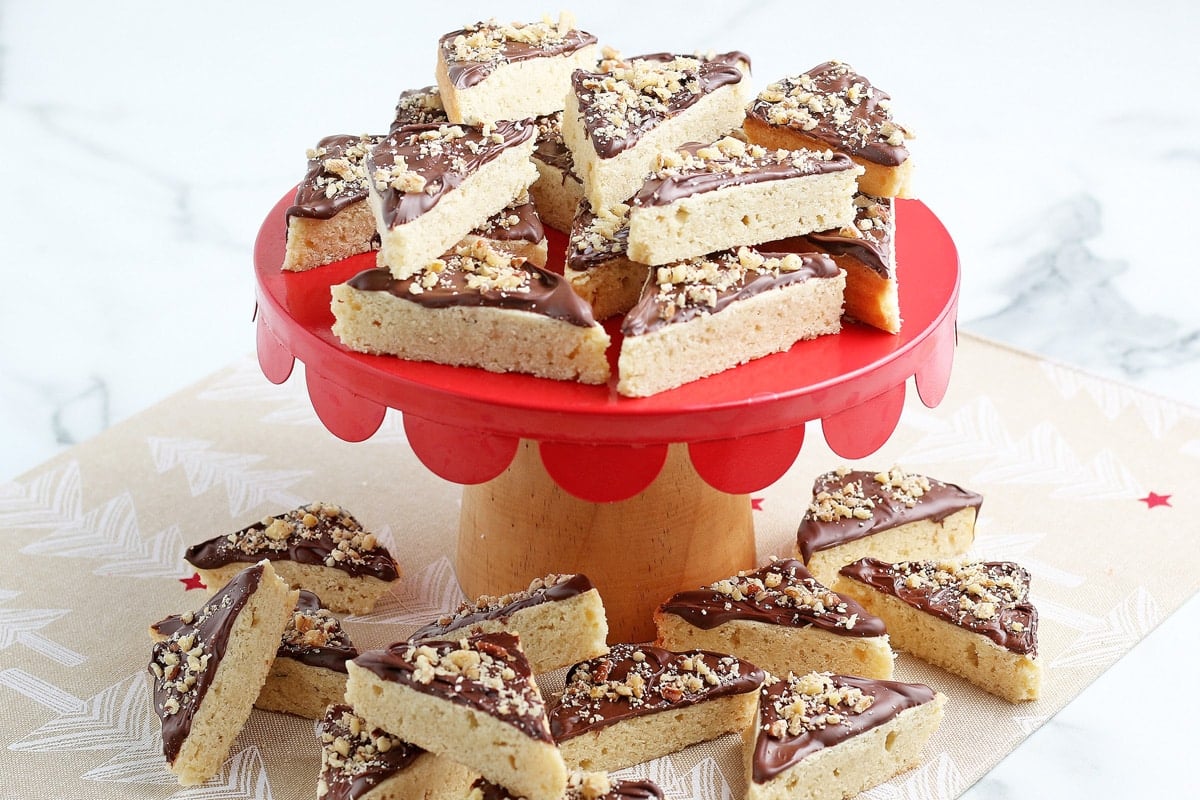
x=365, y=764
x=468, y=614
x=465, y=74
x=313, y=199
x=618, y=790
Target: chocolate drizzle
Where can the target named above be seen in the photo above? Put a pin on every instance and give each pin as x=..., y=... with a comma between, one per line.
x=514, y=701
x=468, y=614
x=313, y=199
x=872, y=246
x=936, y=504
x=775, y=754
x=618, y=790
x=464, y=73
x=545, y=293
x=645, y=109
x=550, y=148
x=209, y=630
x=1012, y=623
x=591, y=244
x=443, y=161
x=526, y=228
x=364, y=764
x=796, y=600
x=419, y=107
x=647, y=316
x=668, y=186
x=656, y=680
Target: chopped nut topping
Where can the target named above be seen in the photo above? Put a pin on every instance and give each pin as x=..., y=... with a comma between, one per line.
x=315, y=525
x=489, y=604
x=313, y=627
x=779, y=585
x=975, y=591
x=903, y=487
x=349, y=748
x=730, y=156
x=813, y=702
x=477, y=265
x=337, y=166
x=420, y=107
x=599, y=234
x=491, y=43
x=845, y=502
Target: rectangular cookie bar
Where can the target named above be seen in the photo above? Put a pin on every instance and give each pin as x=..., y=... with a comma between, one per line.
x=597, y=263
x=558, y=190
x=489, y=71
x=705, y=315
x=703, y=198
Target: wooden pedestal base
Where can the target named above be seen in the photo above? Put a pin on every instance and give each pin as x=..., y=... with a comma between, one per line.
x=679, y=533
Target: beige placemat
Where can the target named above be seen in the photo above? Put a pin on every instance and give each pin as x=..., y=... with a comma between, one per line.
x=1084, y=483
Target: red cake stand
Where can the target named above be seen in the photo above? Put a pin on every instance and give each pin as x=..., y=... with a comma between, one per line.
x=648, y=495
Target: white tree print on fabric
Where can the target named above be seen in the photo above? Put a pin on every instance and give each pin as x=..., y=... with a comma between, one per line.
x=1122, y=628
x=113, y=719
x=40, y=691
x=1041, y=457
x=937, y=779
x=22, y=626
x=242, y=777
x=419, y=599
x=1158, y=415
x=247, y=488
x=51, y=499
x=705, y=781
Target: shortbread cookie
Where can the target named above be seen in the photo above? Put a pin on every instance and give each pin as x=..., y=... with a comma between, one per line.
x=419, y=107
x=207, y=672
x=329, y=220
x=780, y=619
x=831, y=105
x=557, y=191
x=516, y=231
x=319, y=547
x=641, y=702
x=892, y=515
x=309, y=671
x=489, y=72
x=473, y=700
x=828, y=737
x=431, y=185
x=474, y=307
x=866, y=250
x=971, y=618
x=560, y=620
x=703, y=198
x=618, y=120
x=580, y=786
x=705, y=315
x=359, y=762
x=597, y=263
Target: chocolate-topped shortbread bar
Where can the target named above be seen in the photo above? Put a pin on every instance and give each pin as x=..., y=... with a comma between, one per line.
x=490, y=71
x=557, y=191
x=431, y=185
x=206, y=673
x=831, y=105
x=972, y=618
x=891, y=515
x=419, y=107
x=359, y=762
x=473, y=700
x=560, y=620
x=640, y=702
x=597, y=263
x=475, y=306
x=701, y=198
x=516, y=231
x=704, y=315
x=320, y=547
x=780, y=619
x=328, y=220
x=580, y=786
x=618, y=120
x=309, y=671
x=825, y=736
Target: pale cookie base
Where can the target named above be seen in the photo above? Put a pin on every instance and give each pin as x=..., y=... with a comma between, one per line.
x=780, y=649
x=407, y=248
x=1011, y=676
x=610, y=288
x=879, y=179
x=495, y=339
x=555, y=634
x=293, y=687
x=769, y=322
x=639, y=739
x=870, y=298
x=514, y=90
x=557, y=195
x=226, y=706
x=317, y=242
x=608, y=181
x=741, y=215
x=917, y=541
x=852, y=766
x=428, y=777
x=338, y=590
x=490, y=747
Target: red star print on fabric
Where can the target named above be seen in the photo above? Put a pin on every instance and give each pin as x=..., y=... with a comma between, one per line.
x=193, y=582
x=756, y=503
x=1153, y=500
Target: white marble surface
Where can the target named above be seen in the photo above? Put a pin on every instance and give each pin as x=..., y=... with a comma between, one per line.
x=144, y=142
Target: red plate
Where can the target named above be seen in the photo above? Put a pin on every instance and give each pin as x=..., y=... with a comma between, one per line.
x=744, y=426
